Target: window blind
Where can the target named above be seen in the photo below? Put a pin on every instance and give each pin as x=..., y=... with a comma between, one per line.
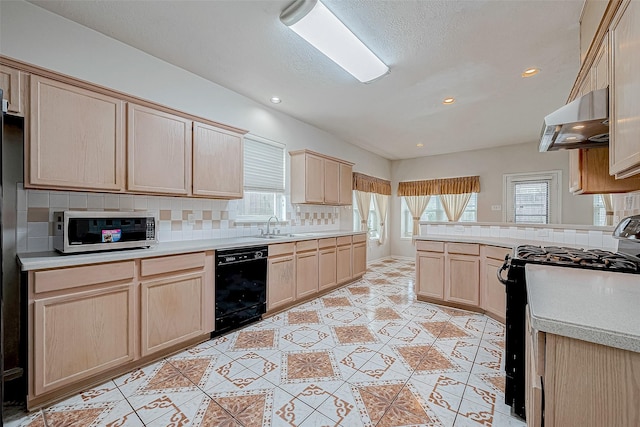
x=531, y=202
x=263, y=165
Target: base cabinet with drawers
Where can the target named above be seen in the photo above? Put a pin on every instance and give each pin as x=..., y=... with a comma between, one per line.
x=461, y=275
x=298, y=271
x=88, y=323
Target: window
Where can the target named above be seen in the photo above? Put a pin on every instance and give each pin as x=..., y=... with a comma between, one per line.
x=532, y=198
x=599, y=213
x=373, y=224
x=435, y=212
x=263, y=180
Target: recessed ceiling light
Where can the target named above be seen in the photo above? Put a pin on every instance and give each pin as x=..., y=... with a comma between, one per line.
x=529, y=72
x=448, y=101
x=275, y=100
x=578, y=127
x=571, y=138
x=420, y=145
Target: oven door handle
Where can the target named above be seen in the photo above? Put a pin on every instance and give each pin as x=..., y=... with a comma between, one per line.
x=504, y=267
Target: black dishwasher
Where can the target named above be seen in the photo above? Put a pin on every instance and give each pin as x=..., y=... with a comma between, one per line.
x=241, y=287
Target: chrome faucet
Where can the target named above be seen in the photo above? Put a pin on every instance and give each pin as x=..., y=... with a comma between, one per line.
x=269, y=222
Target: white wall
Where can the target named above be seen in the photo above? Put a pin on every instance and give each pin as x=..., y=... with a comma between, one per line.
x=490, y=164
x=36, y=36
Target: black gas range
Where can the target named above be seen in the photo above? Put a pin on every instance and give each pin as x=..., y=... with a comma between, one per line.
x=626, y=260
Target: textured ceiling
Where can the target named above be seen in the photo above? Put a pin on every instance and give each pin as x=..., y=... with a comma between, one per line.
x=472, y=50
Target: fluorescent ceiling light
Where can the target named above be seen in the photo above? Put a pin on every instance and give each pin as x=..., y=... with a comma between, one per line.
x=312, y=21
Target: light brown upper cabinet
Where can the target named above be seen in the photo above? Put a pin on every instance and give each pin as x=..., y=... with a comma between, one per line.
x=76, y=138
x=624, y=91
x=346, y=184
x=13, y=83
x=159, y=151
x=319, y=179
x=217, y=162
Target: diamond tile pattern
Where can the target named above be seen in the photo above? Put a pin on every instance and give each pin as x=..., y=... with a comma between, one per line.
x=367, y=354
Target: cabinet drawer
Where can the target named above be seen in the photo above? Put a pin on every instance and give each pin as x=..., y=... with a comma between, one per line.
x=327, y=243
x=463, y=248
x=281, y=249
x=167, y=264
x=429, y=246
x=344, y=240
x=496, y=252
x=359, y=238
x=307, y=245
x=73, y=277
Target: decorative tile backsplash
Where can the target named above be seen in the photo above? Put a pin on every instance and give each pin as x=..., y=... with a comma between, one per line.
x=546, y=236
x=179, y=218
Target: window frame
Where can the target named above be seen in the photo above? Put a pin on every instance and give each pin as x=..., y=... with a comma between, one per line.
x=554, y=198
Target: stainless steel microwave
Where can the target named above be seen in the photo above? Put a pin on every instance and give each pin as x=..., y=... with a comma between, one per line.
x=90, y=231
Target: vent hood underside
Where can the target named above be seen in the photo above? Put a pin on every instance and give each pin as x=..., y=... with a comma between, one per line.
x=582, y=123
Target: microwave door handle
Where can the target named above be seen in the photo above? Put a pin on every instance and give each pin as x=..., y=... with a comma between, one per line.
x=504, y=267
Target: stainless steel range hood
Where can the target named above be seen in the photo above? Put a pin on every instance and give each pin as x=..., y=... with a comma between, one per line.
x=582, y=123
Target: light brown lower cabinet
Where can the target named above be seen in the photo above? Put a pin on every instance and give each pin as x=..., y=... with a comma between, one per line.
x=571, y=382
x=327, y=263
x=359, y=249
x=343, y=259
x=493, y=297
x=306, y=268
x=281, y=277
x=80, y=334
x=462, y=275
x=89, y=321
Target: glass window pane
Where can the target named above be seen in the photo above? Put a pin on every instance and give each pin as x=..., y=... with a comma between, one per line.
x=531, y=202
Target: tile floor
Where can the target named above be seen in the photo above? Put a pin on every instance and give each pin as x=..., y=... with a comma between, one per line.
x=368, y=354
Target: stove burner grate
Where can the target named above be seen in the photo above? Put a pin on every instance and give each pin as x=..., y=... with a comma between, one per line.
x=592, y=258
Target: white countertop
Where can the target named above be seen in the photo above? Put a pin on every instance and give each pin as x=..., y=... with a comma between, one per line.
x=52, y=259
x=504, y=242
x=589, y=305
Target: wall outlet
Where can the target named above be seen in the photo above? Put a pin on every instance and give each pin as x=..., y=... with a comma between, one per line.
x=190, y=219
x=496, y=207
x=459, y=229
x=543, y=233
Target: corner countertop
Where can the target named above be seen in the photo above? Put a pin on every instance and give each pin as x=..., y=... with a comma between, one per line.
x=503, y=242
x=52, y=259
x=589, y=305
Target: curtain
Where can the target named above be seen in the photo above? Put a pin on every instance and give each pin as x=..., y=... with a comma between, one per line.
x=460, y=185
x=371, y=184
x=454, y=205
x=382, y=206
x=363, y=200
x=416, y=205
x=607, y=199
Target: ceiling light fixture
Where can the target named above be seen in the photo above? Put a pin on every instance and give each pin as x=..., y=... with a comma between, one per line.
x=529, y=72
x=275, y=100
x=312, y=21
x=448, y=101
x=578, y=127
x=420, y=145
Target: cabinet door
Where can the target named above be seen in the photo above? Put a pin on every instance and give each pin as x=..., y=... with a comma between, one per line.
x=306, y=274
x=327, y=268
x=624, y=93
x=462, y=279
x=343, y=264
x=11, y=82
x=217, y=162
x=281, y=285
x=331, y=182
x=430, y=274
x=359, y=259
x=494, y=297
x=314, y=179
x=77, y=138
x=82, y=334
x=172, y=310
x=159, y=151
x=346, y=184
x=600, y=67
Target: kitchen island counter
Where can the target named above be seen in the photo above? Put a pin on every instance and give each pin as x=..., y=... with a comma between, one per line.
x=593, y=306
